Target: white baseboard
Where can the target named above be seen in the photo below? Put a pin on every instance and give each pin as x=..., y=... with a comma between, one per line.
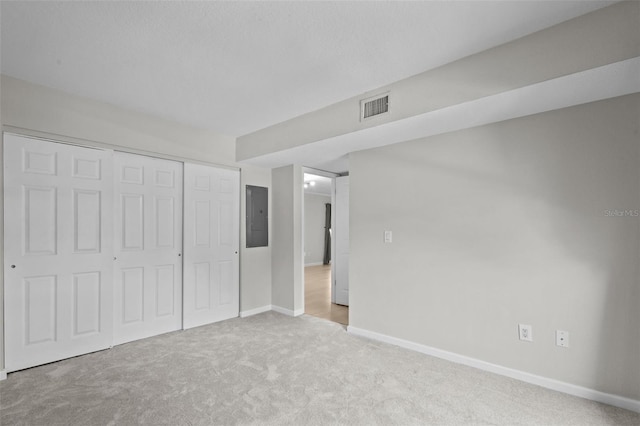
x=286, y=311
x=256, y=311
x=281, y=310
x=313, y=264
x=582, y=392
x=3, y=375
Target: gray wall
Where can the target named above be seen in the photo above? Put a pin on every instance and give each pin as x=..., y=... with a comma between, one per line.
x=314, y=218
x=505, y=224
x=286, y=255
x=31, y=109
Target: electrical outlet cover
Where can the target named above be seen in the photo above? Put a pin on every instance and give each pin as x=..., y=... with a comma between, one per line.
x=525, y=332
x=562, y=338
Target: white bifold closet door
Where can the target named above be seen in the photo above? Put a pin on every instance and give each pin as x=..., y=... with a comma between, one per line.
x=93, y=248
x=58, y=251
x=211, y=244
x=148, y=247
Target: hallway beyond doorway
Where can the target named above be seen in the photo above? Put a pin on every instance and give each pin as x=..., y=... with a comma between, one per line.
x=317, y=295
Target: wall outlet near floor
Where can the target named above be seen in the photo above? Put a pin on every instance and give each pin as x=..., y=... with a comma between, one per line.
x=562, y=338
x=525, y=332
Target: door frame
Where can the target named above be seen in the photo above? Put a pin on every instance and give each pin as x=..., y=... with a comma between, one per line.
x=334, y=240
x=332, y=176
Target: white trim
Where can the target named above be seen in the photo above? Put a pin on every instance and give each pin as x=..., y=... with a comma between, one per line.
x=3, y=375
x=313, y=264
x=256, y=311
x=545, y=382
x=286, y=311
x=319, y=172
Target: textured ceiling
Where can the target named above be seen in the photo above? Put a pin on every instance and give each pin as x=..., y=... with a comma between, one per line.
x=236, y=67
x=321, y=184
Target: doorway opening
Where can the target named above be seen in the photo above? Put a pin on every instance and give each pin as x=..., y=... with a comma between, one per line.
x=317, y=295
x=318, y=246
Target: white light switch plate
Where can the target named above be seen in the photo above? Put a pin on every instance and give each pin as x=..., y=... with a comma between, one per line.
x=388, y=236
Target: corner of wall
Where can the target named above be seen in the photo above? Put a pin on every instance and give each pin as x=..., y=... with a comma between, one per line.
x=286, y=264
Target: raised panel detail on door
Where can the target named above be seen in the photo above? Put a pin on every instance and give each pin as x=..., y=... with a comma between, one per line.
x=39, y=162
x=202, y=278
x=201, y=226
x=86, y=217
x=132, y=295
x=225, y=216
x=57, y=209
x=148, y=223
x=165, y=290
x=225, y=278
x=165, y=222
x=211, y=243
x=202, y=183
x=227, y=185
x=86, y=168
x=132, y=174
x=164, y=178
x=41, y=309
x=86, y=300
x=132, y=223
x=40, y=220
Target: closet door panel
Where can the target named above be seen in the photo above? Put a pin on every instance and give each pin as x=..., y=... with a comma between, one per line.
x=58, y=251
x=211, y=244
x=148, y=266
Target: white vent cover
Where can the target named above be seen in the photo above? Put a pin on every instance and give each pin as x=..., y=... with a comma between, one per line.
x=376, y=105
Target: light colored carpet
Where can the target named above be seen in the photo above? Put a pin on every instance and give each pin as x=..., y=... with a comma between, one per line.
x=273, y=369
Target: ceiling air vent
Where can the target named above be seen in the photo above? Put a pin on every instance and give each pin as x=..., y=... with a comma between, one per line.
x=374, y=106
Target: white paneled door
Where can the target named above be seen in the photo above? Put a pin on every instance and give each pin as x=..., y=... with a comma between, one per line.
x=341, y=257
x=93, y=248
x=58, y=251
x=211, y=244
x=148, y=247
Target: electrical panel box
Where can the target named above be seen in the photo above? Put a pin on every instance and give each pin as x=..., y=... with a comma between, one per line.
x=257, y=216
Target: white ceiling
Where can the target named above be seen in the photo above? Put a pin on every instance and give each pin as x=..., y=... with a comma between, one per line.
x=332, y=154
x=236, y=67
x=315, y=184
